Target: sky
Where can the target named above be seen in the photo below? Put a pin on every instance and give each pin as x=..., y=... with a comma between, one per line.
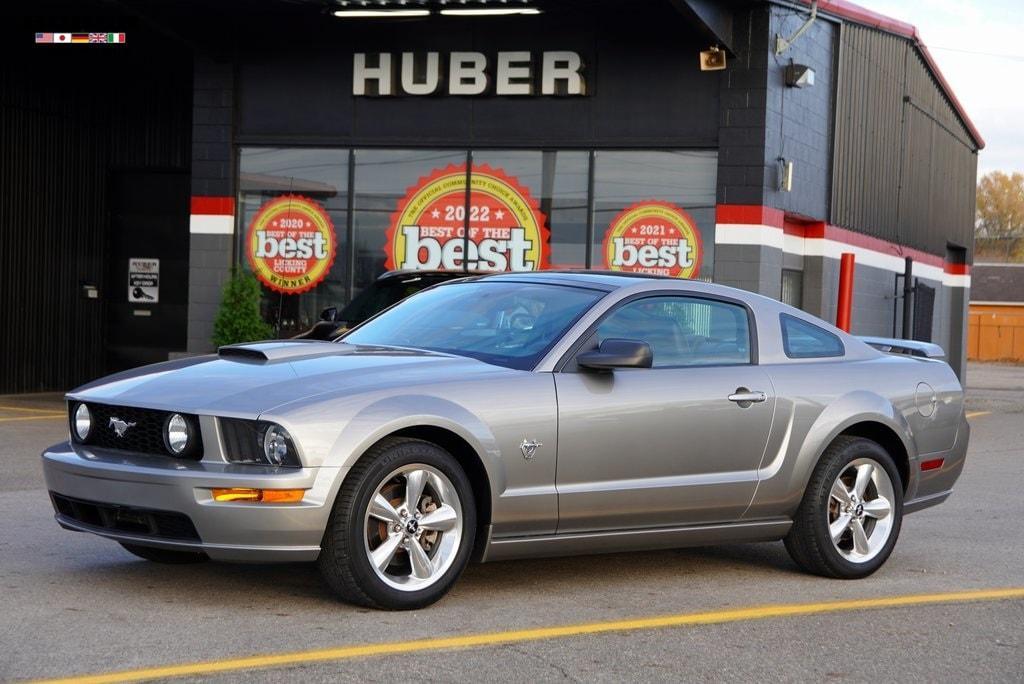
x=979, y=46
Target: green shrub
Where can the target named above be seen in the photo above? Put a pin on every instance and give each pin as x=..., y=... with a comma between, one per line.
x=238, y=319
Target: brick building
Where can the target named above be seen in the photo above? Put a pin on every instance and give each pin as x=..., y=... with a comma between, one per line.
x=568, y=134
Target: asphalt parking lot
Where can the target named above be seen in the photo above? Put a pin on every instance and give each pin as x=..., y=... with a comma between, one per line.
x=74, y=604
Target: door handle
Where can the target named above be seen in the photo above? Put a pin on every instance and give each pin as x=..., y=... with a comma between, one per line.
x=745, y=397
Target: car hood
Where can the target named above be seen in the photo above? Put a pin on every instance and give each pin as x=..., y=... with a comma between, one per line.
x=246, y=380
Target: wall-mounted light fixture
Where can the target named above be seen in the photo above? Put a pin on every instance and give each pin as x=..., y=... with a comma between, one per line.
x=712, y=59
x=380, y=13
x=785, y=175
x=799, y=76
x=489, y=12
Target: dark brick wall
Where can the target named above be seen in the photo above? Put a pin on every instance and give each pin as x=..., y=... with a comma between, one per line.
x=743, y=98
x=210, y=256
x=798, y=121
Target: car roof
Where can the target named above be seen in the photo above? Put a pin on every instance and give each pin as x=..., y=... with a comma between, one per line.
x=602, y=280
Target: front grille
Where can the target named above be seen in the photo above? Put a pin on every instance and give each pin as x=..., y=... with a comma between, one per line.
x=129, y=519
x=145, y=436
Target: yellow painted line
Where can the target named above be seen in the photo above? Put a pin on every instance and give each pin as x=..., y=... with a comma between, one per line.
x=517, y=636
x=30, y=410
x=49, y=417
x=975, y=414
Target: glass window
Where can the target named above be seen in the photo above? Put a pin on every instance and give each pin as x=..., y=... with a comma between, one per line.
x=506, y=324
x=683, y=331
x=319, y=175
x=383, y=180
x=793, y=288
x=557, y=182
x=654, y=212
x=803, y=340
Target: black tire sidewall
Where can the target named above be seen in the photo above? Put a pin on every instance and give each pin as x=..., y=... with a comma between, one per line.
x=833, y=466
x=408, y=453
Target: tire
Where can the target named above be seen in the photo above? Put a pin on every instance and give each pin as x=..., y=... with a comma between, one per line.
x=854, y=553
x=166, y=556
x=426, y=561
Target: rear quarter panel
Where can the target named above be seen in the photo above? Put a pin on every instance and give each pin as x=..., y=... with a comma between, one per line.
x=819, y=400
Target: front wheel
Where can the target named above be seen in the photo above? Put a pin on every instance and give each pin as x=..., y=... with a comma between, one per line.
x=402, y=527
x=850, y=516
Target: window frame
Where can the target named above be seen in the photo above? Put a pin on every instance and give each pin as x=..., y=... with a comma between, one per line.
x=783, y=317
x=565, y=363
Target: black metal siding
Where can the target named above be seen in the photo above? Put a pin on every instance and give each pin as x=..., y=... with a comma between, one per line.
x=69, y=114
x=904, y=165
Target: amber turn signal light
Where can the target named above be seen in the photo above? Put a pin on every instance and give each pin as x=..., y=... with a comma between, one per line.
x=259, y=495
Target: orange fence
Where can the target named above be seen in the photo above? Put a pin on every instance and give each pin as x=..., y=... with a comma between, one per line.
x=995, y=332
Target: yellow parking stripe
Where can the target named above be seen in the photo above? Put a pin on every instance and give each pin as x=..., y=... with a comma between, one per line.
x=30, y=410
x=975, y=414
x=49, y=417
x=517, y=636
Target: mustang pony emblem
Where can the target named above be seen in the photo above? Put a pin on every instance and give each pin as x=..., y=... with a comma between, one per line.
x=529, y=448
x=120, y=426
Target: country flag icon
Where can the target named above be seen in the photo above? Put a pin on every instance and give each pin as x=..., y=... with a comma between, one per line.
x=71, y=38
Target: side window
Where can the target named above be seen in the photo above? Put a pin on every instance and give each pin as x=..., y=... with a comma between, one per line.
x=683, y=331
x=803, y=340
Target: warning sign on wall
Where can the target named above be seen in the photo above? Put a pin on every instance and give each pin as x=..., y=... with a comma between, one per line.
x=143, y=281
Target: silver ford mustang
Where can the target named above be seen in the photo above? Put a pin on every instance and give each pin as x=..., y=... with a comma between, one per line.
x=519, y=415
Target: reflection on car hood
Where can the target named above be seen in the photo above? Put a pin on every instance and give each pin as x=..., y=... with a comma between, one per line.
x=246, y=380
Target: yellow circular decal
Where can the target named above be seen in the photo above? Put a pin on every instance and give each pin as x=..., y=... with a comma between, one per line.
x=506, y=229
x=291, y=244
x=654, y=237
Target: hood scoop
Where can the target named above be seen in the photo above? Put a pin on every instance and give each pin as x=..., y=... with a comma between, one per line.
x=289, y=350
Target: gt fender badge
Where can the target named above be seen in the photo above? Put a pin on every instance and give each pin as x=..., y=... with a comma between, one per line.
x=120, y=426
x=529, y=448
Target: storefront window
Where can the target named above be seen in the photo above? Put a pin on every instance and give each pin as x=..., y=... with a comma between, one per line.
x=655, y=212
x=293, y=215
x=525, y=210
x=383, y=179
x=557, y=181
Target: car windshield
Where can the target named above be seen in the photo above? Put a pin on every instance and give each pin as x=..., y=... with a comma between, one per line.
x=504, y=323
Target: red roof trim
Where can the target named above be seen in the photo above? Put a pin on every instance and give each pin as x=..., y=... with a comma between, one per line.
x=861, y=15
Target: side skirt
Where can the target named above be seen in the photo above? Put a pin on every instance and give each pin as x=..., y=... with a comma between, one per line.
x=633, y=540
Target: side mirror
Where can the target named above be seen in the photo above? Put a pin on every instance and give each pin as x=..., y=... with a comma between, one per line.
x=329, y=313
x=616, y=353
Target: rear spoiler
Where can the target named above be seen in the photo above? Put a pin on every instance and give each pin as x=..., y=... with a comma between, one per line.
x=891, y=345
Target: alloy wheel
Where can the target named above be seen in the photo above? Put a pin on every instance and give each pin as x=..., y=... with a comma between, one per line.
x=413, y=527
x=860, y=510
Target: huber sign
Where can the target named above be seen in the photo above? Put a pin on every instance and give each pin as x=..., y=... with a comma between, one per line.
x=291, y=244
x=654, y=237
x=517, y=72
x=506, y=229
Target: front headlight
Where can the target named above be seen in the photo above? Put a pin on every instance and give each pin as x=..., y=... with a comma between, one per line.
x=277, y=443
x=258, y=443
x=82, y=423
x=181, y=435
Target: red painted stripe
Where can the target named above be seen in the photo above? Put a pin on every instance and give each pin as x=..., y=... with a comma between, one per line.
x=219, y=206
x=849, y=237
x=753, y=214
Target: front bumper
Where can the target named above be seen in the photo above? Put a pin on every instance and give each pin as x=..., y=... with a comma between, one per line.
x=226, y=531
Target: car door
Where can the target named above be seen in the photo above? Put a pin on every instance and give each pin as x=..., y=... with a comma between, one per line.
x=677, y=443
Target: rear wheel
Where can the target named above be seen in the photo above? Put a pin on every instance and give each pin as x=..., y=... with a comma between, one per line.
x=166, y=556
x=402, y=527
x=850, y=516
